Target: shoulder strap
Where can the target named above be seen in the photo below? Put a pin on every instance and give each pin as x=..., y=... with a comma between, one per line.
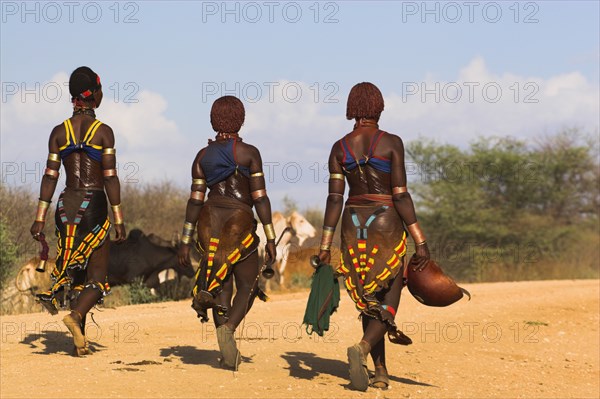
x=69, y=134
x=347, y=149
x=374, y=142
x=343, y=150
x=89, y=135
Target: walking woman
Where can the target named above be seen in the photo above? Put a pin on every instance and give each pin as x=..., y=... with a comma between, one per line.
x=227, y=239
x=86, y=148
x=373, y=228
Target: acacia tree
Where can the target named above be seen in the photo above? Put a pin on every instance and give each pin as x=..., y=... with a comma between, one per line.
x=504, y=203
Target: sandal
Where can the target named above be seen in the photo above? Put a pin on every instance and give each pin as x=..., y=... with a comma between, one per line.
x=380, y=379
x=231, y=355
x=74, y=326
x=79, y=352
x=359, y=375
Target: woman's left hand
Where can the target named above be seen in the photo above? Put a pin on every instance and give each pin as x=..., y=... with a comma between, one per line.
x=184, y=255
x=423, y=251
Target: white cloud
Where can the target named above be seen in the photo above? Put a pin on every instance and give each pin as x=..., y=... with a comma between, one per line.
x=482, y=103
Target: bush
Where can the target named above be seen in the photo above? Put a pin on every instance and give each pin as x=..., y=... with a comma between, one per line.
x=506, y=210
x=8, y=255
x=300, y=280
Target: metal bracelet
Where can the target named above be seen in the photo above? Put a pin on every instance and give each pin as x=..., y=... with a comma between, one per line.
x=188, y=231
x=258, y=194
x=109, y=151
x=117, y=214
x=53, y=157
x=198, y=182
x=257, y=174
x=188, y=228
x=42, y=209
x=416, y=232
x=269, y=231
x=109, y=172
x=327, y=237
x=336, y=176
x=51, y=172
x=399, y=190
x=197, y=195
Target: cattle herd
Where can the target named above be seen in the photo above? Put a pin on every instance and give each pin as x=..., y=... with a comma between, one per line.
x=152, y=260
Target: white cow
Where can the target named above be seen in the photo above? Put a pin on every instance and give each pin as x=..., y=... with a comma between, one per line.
x=298, y=226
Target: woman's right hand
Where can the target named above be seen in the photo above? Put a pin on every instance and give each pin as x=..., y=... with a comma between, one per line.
x=36, y=229
x=120, y=233
x=271, y=251
x=325, y=257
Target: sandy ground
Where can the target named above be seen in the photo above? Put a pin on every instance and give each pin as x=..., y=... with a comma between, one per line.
x=526, y=339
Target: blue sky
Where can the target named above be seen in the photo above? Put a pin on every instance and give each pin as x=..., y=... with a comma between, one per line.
x=176, y=58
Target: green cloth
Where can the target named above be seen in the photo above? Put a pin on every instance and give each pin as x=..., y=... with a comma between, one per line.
x=323, y=300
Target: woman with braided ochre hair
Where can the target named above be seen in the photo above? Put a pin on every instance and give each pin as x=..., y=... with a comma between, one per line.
x=373, y=235
x=227, y=239
x=86, y=148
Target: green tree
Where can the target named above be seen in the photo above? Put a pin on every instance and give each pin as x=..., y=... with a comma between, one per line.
x=504, y=204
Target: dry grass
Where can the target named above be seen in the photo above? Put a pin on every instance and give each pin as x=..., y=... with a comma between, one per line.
x=160, y=209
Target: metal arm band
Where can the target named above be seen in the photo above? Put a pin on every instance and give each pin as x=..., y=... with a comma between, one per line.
x=117, y=214
x=257, y=174
x=188, y=228
x=199, y=182
x=336, y=176
x=197, y=195
x=338, y=194
x=51, y=172
x=258, y=194
x=327, y=238
x=416, y=233
x=188, y=231
x=109, y=172
x=42, y=209
x=399, y=190
x=109, y=151
x=269, y=231
x=53, y=157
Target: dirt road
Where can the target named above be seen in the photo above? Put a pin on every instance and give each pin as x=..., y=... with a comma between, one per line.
x=526, y=339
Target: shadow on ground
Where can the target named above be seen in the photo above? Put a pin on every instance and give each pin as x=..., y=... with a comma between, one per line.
x=53, y=342
x=192, y=355
x=307, y=366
